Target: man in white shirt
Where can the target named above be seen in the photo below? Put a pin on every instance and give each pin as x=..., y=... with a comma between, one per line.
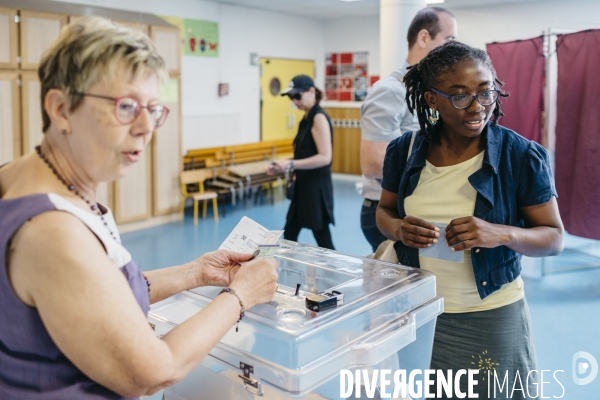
x=385, y=115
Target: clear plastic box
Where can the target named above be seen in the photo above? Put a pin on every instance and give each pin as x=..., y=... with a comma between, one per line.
x=284, y=350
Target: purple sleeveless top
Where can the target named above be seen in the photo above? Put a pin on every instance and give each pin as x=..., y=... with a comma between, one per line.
x=31, y=366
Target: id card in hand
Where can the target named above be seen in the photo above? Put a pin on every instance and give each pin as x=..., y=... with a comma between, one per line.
x=268, y=251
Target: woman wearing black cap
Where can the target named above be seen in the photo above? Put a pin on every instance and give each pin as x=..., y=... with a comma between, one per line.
x=312, y=202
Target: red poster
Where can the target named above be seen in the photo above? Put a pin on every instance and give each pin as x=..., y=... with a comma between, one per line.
x=373, y=79
x=345, y=83
x=331, y=95
x=345, y=95
x=360, y=70
x=331, y=70
x=346, y=58
x=334, y=58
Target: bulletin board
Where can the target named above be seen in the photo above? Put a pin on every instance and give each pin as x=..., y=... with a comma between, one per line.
x=347, y=76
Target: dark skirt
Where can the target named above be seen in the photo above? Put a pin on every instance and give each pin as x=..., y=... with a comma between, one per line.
x=312, y=205
x=499, y=341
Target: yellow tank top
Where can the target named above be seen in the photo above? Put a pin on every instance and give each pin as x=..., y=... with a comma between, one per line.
x=443, y=194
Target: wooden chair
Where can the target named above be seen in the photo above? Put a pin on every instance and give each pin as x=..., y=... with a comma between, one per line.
x=198, y=176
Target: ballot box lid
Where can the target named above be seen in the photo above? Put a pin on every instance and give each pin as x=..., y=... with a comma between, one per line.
x=295, y=348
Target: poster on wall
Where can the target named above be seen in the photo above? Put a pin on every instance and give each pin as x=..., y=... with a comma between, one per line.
x=199, y=38
x=347, y=76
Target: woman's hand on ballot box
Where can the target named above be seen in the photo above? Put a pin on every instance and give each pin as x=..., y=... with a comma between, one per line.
x=254, y=280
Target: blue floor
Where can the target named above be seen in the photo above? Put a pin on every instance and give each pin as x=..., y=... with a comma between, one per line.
x=564, y=305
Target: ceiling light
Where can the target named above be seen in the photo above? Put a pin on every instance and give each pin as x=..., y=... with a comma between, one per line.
x=434, y=1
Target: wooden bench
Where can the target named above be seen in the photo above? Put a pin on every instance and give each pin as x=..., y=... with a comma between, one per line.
x=219, y=159
x=198, y=158
x=261, y=151
x=238, y=154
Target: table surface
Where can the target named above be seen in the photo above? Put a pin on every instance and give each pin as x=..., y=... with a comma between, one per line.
x=249, y=169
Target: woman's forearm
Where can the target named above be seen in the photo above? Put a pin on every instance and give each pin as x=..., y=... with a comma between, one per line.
x=539, y=241
x=168, y=281
x=181, y=356
x=389, y=223
x=316, y=161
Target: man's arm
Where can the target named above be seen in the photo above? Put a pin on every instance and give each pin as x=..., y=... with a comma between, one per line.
x=381, y=120
x=371, y=158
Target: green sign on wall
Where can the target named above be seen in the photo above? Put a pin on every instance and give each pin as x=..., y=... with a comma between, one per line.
x=200, y=38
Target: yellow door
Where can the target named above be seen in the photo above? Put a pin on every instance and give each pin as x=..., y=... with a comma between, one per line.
x=279, y=116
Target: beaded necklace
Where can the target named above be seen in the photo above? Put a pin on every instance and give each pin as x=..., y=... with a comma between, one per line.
x=94, y=207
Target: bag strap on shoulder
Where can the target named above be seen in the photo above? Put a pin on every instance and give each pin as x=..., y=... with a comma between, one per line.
x=412, y=142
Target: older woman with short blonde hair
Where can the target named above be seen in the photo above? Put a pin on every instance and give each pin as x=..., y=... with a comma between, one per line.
x=73, y=303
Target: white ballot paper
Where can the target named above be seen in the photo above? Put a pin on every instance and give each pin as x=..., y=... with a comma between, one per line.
x=440, y=250
x=248, y=235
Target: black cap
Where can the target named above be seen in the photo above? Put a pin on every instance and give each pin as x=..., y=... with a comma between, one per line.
x=299, y=83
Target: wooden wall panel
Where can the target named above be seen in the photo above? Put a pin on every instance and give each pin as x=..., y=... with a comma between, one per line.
x=168, y=45
x=38, y=32
x=31, y=111
x=8, y=39
x=10, y=124
x=104, y=194
x=133, y=193
x=167, y=159
x=346, y=141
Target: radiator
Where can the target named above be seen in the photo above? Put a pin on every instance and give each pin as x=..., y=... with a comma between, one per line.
x=211, y=130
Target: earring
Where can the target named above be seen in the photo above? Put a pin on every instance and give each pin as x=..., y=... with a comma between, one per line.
x=433, y=118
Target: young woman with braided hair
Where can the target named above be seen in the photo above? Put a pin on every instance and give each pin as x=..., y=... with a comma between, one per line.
x=481, y=190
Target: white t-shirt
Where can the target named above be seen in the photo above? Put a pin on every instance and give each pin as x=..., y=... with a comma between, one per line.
x=443, y=194
x=385, y=116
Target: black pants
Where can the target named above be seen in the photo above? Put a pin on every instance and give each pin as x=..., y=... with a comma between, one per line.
x=368, y=224
x=323, y=236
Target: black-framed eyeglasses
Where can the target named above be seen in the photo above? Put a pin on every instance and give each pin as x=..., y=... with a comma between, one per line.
x=462, y=101
x=295, y=96
x=127, y=109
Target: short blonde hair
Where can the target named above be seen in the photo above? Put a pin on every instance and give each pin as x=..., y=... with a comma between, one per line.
x=88, y=51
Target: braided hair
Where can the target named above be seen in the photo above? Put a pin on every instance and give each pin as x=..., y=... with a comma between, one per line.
x=421, y=77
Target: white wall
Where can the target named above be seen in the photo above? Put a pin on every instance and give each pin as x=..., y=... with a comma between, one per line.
x=476, y=25
x=480, y=25
x=241, y=31
x=354, y=34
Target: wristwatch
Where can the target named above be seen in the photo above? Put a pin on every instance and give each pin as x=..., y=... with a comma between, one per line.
x=291, y=166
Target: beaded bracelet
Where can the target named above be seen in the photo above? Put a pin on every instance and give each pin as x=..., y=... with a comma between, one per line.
x=242, y=312
x=148, y=283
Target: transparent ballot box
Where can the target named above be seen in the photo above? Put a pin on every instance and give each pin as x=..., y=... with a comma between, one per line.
x=371, y=314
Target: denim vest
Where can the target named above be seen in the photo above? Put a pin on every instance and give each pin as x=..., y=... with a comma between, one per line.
x=515, y=173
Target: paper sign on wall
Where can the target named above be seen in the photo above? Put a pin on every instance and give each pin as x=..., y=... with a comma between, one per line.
x=200, y=38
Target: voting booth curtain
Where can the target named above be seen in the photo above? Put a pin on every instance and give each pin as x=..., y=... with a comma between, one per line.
x=521, y=65
x=578, y=132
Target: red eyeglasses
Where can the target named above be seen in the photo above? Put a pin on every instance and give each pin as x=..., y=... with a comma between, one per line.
x=127, y=109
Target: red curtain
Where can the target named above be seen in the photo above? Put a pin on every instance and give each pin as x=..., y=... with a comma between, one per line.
x=521, y=65
x=578, y=132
